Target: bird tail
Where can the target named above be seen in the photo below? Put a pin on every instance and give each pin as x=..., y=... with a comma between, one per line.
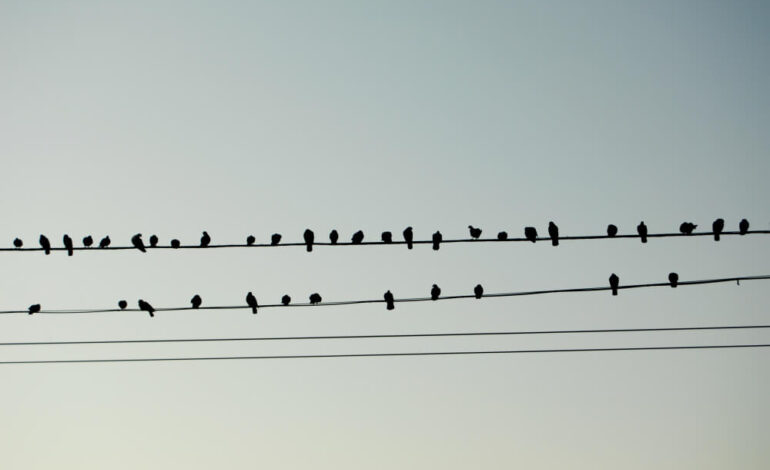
x=254, y=310
x=391, y=306
x=555, y=241
x=309, y=247
x=614, y=291
x=716, y=237
x=409, y=244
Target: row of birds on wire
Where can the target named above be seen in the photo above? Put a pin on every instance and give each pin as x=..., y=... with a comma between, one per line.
x=315, y=298
x=530, y=233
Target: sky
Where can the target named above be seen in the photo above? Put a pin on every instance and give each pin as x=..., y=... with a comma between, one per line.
x=239, y=118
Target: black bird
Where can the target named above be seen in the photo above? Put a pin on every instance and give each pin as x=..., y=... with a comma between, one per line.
x=286, y=300
x=435, y=292
x=275, y=239
x=437, y=240
x=18, y=243
x=136, y=240
x=743, y=226
x=478, y=291
x=358, y=237
x=687, y=228
x=105, y=242
x=614, y=282
x=67, y=244
x=673, y=279
x=717, y=228
x=408, y=237
x=641, y=229
x=33, y=309
x=88, y=241
x=315, y=298
x=122, y=304
x=612, y=230
x=146, y=307
x=530, y=233
x=250, y=240
x=389, y=300
x=333, y=237
x=309, y=238
x=251, y=301
x=153, y=241
x=475, y=232
x=45, y=244
x=175, y=243
x=205, y=239
x=502, y=236
x=196, y=301
x=387, y=237
x=553, y=231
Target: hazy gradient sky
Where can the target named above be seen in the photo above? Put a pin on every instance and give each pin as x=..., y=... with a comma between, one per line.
x=240, y=118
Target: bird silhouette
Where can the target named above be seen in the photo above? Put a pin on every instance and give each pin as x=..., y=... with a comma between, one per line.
x=105, y=242
x=641, y=229
x=389, y=301
x=196, y=301
x=251, y=301
x=435, y=292
x=315, y=298
x=18, y=243
x=478, y=291
x=612, y=230
x=309, y=238
x=250, y=240
x=717, y=227
x=175, y=243
x=67, y=244
x=153, y=241
x=35, y=308
x=333, y=237
x=145, y=306
x=286, y=300
x=88, y=241
x=614, y=282
x=122, y=304
x=205, y=239
x=673, y=279
x=275, y=239
x=743, y=226
x=358, y=237
x=530, y=233
x=136, y=240
x=475, y=232
x=387, y=237
x=45, y=244
x=437, y=238
x=408, y=237
x=687, y=228
x=502, y=236
x=553, y=231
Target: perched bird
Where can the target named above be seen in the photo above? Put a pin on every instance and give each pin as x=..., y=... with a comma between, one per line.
x=175, y=243
x=743, y=226
x=717, y=228
x=687, y=228
x=475, y=232
x=136, y=240
x=614, y=282
x=146, y=307
x=122, y=304
x=309, y=238
x=33, y=309
x=205, y=239
x=45, y=244
x=478, y=291
x=387, y=237
x=18, y=243
x=389, y=301
x=196, y=301
x=641, y=229
x=105, y=242
x=553, y=231
x=435, y=292
x=286, y=300
x=88, y=241
x=530, y=233
x=251, y=301
x=673, y=279
x=67, y=244
x=358, y=237
x=437, y=240
x=408, y=237
x=612, y=230
x=315, y=298
x=502, y=236
x=275, y=239
x=250, y=240
x=333, y=237
x=153, y=241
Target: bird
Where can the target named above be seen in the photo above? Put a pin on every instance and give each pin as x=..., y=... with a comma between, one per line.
x=153, y=241
x=45, y=244
x=33, y=309
x=205, y=239
x=146, y=307
x=333, y=237
x=389, y=300
x=122, y=304
x=687, y=228
x=105, y=242
x=136, y=240
x=475, y=232
x=18, y=243
x=717, y=228
x=641, y=229
x=358, y=237
x=88, y=241
x=612, y=230
x=614, y=282
x=387, y=237
x=437, y=240
x=315, y=298
x=251, y=301
x=553, y=231
x=502, y=236
x=435, y=292
x=67, y=244
x=673, y=279
x=196, y=301
x=275, y=239
x=530, y=233
x=309, y=238
x=175, y=243
x=286, y=300
x=408, y=237
x=250, y=240
x=478, y=291
x=743, y=226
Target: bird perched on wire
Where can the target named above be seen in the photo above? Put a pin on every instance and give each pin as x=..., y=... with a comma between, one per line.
x=251, y=301
x=315, y=298
x=387, y=237
x=196, y=301
x=435, y=292
x=673, y=279
x=530, y=233
x=743, y=226
x=553, y=231
x=358, y=237
x=205, y=239
x=175, y=243
x=641, y=229
x=46, y=244
x=136, y=240
x=717, y=227
x=18, y=243
x=614, y=282
x=687, y=228
x=612, y=230
x=105, y=242
x=475, y=232
x=437, y=238
x=67, y=244
x=333, y=237
x=35, y=308
x=275, y=239
x=478, y=291
x=389, y=301
x=250, y=240
x=153, y=241
x=145, y=306
x=408, y=237
x=502, y=236
x=88, y=241
x=286, y=300
x=122, y=304
x=309, y=237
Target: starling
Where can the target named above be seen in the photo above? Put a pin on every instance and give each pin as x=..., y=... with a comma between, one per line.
x=18, y=243
x=309, y=238
x=205, y=239
x=553, y=231
x=437, y=240
x=435, y=292
x=530, y=233
x=175, y=243
x=478, y=291
x=250, y=240
x=88, y=241
x=641, y=229
x=146, y=307
x=67, y=244
x=45, y=244
x=196, y=301
x=136, y=240
x=612, y=230
x=153, y=241
x=358, y=237
x=33, y=309
x=687, y=228
x=286, y=300
x=502, y=236
x=333, y=237
x=275, y=239
x=387, y=237
x=475, y=232
x=408, y=237
x=673, y=279
x=389, y=300
x=717, y=227
x=614, y=282
x=251, y=301
x=743, y=227
x=315, y=298
x=122, y=304
x=105, y=242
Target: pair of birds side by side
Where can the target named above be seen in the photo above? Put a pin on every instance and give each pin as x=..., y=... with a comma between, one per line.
x=673, y=281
